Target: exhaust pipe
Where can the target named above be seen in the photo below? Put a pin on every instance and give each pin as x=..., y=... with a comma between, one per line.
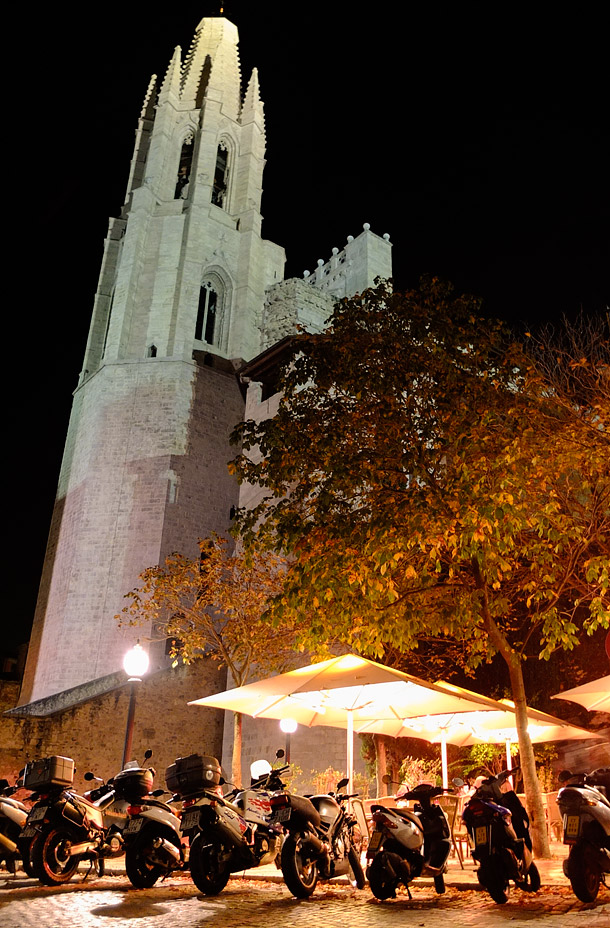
x=167, y=849
x=7, y=843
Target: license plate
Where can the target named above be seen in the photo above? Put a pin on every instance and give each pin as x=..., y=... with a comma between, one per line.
x=190, y=820
x=37, y=814
x=133, y=826
x=374, y=843
x=572, y=826
x=480, y=835
x=279, y=816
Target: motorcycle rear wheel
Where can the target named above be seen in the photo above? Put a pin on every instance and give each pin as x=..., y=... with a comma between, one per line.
x=51, y=861
x=584, y=873
x=210, y=874
x=382, y=885
x=357, y=873
x=493, y=879
x=299, y=869
x=531, y=883
x=141, y=872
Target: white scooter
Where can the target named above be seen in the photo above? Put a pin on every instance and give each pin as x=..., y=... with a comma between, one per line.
x=407, y=843
x=584, y=803
x=13, y=816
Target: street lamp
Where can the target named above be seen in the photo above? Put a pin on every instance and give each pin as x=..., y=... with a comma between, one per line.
x=288, y=726
x=135, y=664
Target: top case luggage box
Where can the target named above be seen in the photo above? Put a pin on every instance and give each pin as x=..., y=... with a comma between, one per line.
x=48, y=771
x=190, y=775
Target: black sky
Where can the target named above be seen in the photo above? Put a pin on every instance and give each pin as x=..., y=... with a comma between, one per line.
x=476, y=137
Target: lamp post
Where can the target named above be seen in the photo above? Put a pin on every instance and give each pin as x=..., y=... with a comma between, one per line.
x=288, y=726
x=135, y=664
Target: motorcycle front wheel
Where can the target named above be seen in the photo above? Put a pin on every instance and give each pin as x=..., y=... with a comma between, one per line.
x=51, y=861
x=357, y=873
x=584, y=873
x=299, y=868
x=143, y=873
x=382, y=885
x=209, y=872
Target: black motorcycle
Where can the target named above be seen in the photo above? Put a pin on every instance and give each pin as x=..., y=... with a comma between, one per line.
x=321, y=841
x=498, y=825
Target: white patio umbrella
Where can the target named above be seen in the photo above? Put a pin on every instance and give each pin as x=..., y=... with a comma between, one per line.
x=594, y=696
x=346, y=692
x=494, y=726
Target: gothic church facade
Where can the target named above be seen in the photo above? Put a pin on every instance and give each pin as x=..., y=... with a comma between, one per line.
x=188, y=292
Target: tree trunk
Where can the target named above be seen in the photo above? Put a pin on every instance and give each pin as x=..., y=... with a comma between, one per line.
x=236, y=759
x=533, y=790
x=380, y=764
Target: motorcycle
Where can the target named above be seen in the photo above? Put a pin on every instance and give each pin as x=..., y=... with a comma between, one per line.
x=584, y=803
x=408, y=843
x=226, y=833
x=498, y=826
x=153, y=846
x=66, y=828
x=13, y=816
x=321, y=841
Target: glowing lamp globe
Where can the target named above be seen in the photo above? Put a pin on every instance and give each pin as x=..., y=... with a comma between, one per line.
x=288, y=726
x=135, y=662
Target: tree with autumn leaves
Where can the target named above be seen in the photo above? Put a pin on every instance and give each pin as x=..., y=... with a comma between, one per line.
x=427, y=475
x=213, y=605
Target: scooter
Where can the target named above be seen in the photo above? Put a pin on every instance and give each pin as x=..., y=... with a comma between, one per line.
x=584, y=803
x=66, y=828
x=226, y=833
x=153, y=846
x=498, y=826
x=408, y=843
x=321, y=841
x=13, y=816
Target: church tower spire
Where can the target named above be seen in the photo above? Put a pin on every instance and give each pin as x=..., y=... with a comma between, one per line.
x=178, y=306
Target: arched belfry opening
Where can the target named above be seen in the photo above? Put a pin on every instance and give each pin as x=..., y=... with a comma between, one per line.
x=207, y=327
x=184, y=167
x=220, y=184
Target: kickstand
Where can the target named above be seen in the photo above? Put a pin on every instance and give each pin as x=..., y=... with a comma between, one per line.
x=408, y=891
x=91, y=862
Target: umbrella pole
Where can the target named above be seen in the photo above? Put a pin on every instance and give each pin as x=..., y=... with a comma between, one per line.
x=350, y=749
x=444, y=759
x=509, y=761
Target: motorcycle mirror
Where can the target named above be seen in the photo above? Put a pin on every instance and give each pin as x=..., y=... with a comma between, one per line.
x=89, y=776
x=148, y=754
x=564, y=776
x=158, y=792
x=342, y=783
x=279, y=753
x=3, y=784
x=386, y=778
x=457, y=781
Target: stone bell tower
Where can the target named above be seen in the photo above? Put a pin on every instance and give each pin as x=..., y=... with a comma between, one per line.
x=179, y=306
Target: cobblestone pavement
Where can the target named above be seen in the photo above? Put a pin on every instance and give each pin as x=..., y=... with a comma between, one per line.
x=112, y=903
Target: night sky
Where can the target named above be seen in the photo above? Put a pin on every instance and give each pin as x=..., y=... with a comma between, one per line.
x=478, y=140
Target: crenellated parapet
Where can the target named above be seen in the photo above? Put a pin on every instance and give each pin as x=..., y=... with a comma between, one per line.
x=355, y=267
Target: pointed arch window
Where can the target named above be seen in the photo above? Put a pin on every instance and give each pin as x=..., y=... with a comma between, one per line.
x=184, y=168
x=221, y=176
x=206, y=328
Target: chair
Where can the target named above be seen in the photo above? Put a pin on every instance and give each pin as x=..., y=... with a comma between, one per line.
x=554, y=821
x=450, y=806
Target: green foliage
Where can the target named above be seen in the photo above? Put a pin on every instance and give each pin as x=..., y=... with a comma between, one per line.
x=414, y=770
x=426, y=479
x=486, y=760
x=214, y=605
